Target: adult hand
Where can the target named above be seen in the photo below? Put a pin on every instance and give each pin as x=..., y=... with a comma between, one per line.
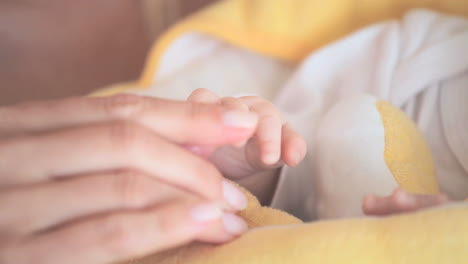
x=93, y=180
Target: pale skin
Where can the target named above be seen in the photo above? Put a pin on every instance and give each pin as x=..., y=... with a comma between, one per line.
x=92, y=180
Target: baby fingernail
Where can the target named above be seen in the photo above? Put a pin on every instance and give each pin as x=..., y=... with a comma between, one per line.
x=297, y=157
x=206, y=212
x=270, y=158
x=233, y=224
x=240, y=119
x=234, y=196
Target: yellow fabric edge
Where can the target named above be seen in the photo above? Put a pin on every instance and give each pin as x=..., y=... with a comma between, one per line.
x=406, y=153
x=253, y=41
x=116, y=89
x=272, y=44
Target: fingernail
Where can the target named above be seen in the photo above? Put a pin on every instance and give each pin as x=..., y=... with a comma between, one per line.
x=297, y=157
x=240, y=119
x=233, y=224
x=206, y=212
x=234, y=196
x=270, y=158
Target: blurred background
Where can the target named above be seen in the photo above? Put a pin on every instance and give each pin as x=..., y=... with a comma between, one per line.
x=57, y=48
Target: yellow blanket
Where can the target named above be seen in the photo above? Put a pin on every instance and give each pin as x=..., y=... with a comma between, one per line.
x=432, y=236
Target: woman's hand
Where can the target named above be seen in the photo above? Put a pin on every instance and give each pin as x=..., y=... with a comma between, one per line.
x=93, y=180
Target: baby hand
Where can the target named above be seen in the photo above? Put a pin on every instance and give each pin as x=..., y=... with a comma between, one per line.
x=273, y=144
x=400, y=201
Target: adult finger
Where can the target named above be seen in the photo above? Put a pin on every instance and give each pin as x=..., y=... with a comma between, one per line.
x=111, y=146
x=203, y=95
x=225, y=229
x=170, y=119
x=117, y=236
x=229, y=103
x=32, y=208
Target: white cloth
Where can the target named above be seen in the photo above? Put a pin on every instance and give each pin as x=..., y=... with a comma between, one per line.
x=418, y=63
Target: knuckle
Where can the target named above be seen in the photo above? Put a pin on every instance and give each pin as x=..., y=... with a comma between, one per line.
x=194, y=111
x=168, y=220
x=268, y=121
x=270, y=107
x=235, y=104
x=206, y=173
x=130, y=188
x=125, y=135
x=230, y=99
x=251, y=98
x=263, y=106
x=163, y=224
x=270, y=118
x=124, y=105
x=201, y=91
x=115, y=235
x=256, y=100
